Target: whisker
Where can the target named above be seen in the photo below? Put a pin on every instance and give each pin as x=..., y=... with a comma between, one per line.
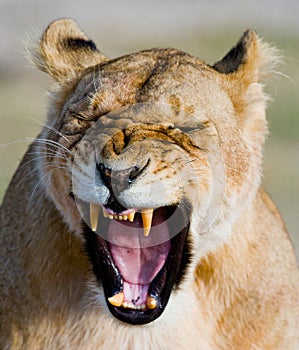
x=51, y=143
x=29, y=161
x=49, y=154
x=50, y=128
x=82, y=171
x=37, y=168
x=40, y=148
x=41, y=179
x=211, y=167
x=14, y=142
x=192, y=160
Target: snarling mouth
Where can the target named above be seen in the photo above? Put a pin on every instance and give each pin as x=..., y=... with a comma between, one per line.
x=139, y=256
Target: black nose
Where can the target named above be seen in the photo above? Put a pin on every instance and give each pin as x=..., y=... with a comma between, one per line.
x=117, y=180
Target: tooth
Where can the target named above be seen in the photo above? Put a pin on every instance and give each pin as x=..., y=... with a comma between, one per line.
x=120, y=217
x=147, y=216
x=151, y=302
x=117, y=299
x=105, y=213
x=125, y=217
x=131, y=216
x=94, y=211
x=143, y=307
x=110, y=216
x=125, y=304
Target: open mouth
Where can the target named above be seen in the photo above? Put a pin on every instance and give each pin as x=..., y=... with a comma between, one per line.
x=139, y=256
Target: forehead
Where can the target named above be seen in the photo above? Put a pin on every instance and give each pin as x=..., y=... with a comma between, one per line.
x=164, y=76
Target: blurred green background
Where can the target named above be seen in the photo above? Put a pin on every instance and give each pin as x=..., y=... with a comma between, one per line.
x=205, y=29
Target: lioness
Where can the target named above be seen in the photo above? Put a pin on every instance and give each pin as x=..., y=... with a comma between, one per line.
x=136, y=219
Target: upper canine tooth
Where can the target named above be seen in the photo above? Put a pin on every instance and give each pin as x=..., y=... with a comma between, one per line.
x=147, y=217
x=94, y=211
x=117, y=299
x=131, y=216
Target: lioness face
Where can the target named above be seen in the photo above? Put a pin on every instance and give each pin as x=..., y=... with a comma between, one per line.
x=145, y=155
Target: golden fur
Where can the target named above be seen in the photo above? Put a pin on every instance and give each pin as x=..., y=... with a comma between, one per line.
x=240, y=290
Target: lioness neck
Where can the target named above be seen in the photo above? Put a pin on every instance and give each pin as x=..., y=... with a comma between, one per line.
x=235, y=282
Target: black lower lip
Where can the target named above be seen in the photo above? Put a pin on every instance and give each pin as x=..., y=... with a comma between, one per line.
x=135, y=317
x=166, y=280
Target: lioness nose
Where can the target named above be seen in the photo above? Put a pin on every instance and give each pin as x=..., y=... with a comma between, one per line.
x=117, y=180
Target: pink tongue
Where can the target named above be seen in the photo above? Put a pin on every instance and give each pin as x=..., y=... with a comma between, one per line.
x=139, y=258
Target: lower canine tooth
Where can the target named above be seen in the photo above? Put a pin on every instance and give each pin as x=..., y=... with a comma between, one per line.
x=151, y=302
x=117, y=299
x=147, y=217
x=94, y=211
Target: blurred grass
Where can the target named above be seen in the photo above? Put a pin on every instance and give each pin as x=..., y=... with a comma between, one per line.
x=22, y=96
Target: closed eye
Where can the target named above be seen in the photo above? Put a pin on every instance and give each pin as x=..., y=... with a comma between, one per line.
x=188, y=129
x=79, y=116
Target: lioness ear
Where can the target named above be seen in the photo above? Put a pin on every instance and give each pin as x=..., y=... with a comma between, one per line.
x=244, y=56
x=249, y=60
x=243, y=68
x=65, y=51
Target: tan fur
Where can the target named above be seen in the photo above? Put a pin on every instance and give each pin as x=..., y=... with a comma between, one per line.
x=241, y=288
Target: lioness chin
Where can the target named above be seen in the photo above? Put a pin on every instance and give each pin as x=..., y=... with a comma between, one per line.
x=136, y=219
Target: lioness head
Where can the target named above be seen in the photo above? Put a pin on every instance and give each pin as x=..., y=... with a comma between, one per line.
x=149, y=158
